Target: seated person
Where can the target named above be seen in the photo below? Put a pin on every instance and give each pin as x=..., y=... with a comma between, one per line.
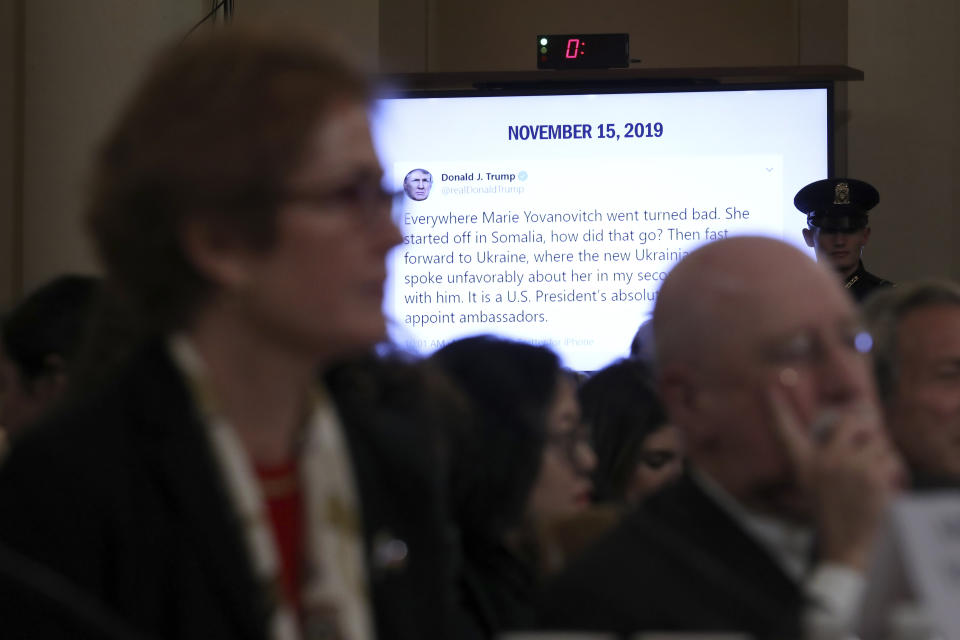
x=776, y=403
x=916, y=348
x=217, y=486
x=524, y=462
x=637, y=450
x=39, y=340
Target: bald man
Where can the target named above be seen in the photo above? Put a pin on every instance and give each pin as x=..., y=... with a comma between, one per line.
x=773, y=393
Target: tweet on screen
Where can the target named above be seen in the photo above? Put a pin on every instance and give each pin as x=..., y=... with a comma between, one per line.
x=559, y=229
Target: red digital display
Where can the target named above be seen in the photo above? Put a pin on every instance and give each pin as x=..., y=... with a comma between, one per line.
x=570, y=51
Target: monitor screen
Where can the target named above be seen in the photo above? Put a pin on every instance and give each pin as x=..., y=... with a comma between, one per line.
x=554, y=218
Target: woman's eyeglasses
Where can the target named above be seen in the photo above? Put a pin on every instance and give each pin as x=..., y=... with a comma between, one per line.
x=366, y=199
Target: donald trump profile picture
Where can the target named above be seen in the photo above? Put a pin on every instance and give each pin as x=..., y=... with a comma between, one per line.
x=417, y=184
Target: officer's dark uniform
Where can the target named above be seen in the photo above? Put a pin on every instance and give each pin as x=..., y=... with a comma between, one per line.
x=840, y=205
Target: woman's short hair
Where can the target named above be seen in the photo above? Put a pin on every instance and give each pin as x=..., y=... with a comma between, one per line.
x=214, y=132
x=510, y=386
x=622, y=408
x=50, y=321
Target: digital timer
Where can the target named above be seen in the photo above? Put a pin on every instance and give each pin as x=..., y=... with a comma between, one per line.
x=583, y=51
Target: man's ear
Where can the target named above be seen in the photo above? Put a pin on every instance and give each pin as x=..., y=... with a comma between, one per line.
x=808, y=237
x=866, y=236
x=678, y=394
x=684, y=402
x=216, y=253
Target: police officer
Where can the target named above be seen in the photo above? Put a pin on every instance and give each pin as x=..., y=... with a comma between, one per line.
x=837, y=228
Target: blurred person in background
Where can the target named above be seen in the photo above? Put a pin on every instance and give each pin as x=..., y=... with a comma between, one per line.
x=214, y=486
x=637, y=453
x=523, y=463
x=39, y=340
x=637, y=450
x=916, y=348
x=642, y=346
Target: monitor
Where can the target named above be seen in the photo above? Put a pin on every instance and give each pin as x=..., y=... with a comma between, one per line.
x=552, y=217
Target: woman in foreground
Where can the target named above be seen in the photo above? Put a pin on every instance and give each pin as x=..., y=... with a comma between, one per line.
x=210, y=488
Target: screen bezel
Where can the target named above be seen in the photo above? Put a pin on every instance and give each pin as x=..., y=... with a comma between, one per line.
x=621, y=87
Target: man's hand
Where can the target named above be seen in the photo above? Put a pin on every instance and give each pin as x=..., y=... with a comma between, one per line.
x=846, y=466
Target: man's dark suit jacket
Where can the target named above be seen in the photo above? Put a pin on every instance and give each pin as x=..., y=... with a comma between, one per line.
x=678, y=563
x=119, y=495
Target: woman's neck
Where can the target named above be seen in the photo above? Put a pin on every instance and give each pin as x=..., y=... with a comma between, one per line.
x=261, y=388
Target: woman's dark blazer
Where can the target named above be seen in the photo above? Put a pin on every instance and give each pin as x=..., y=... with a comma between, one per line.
x=114, y=521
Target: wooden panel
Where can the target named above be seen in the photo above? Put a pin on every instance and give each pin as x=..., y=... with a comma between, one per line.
x=904, y=132
x=81, y=62
x=403, y=36
x=500, y=34
x=11, y=31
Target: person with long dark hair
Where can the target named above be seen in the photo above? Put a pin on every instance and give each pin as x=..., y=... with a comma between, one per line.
x=523, y=463
x=638, y=451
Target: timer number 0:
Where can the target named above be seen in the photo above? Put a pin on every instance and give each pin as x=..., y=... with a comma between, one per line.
x=573, y=48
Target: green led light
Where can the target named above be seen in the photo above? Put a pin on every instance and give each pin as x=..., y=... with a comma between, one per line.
x=543, y=41
x=543, y=49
